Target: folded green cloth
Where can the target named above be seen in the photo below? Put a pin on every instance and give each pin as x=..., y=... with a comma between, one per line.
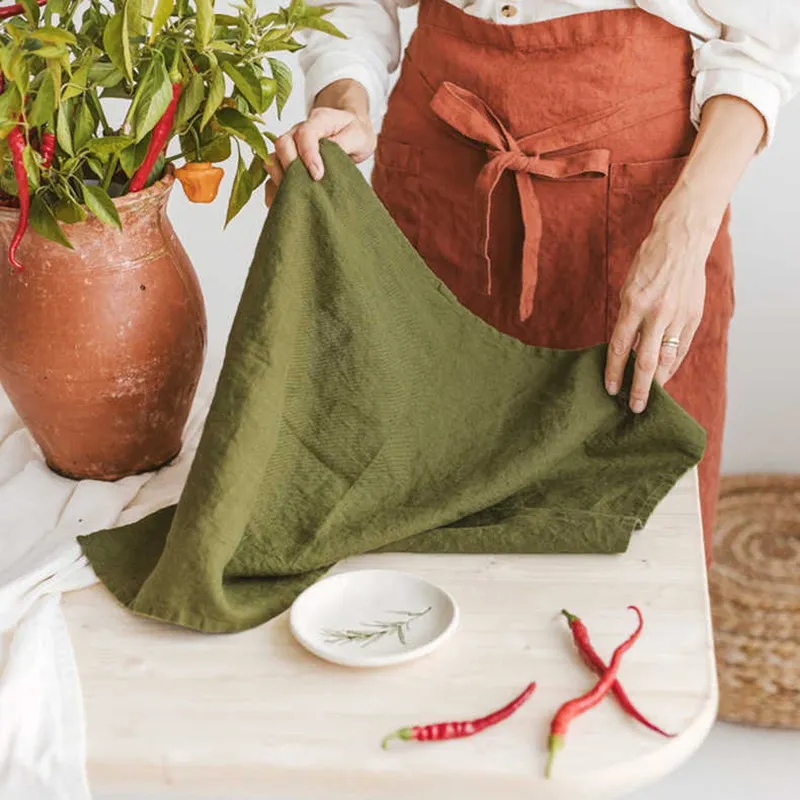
x=361, y=408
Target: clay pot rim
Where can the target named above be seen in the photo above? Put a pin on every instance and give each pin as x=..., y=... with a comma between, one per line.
x=124, y=203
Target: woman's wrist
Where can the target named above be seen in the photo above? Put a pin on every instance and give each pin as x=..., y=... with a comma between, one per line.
x=730, y=132
x=345, y=95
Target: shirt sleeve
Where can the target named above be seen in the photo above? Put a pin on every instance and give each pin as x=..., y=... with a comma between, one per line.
x=756, y=56
x=369, y=55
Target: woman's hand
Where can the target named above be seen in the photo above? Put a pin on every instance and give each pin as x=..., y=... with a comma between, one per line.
x=340, y=114
x=662, y=299
x=664, y=294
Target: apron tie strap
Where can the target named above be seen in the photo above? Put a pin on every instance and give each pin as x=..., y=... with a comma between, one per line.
x=466, y=113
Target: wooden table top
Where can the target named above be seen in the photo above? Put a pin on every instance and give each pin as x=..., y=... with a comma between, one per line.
x=173, y=712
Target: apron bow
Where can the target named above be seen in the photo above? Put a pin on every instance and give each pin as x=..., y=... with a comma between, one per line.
x=466, y=113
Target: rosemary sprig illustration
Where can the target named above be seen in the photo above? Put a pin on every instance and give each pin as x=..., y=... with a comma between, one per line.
x=374, y=631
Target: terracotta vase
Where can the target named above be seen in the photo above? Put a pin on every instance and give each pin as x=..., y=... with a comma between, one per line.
x=101, y=347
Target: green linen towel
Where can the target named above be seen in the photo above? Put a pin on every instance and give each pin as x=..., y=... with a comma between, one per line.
x=360, y=407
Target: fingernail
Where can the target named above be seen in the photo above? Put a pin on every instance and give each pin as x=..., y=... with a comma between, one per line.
x=316, y=170
x=612, y=388
x=637, y=406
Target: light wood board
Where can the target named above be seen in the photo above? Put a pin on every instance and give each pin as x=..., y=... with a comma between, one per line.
x=175, y=713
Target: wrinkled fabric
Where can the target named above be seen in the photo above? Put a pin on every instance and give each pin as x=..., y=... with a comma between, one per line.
x=530, y=198
x=361, y=407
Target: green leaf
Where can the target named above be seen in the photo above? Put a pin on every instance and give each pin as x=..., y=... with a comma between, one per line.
x=248, y=84
x=133, y=13
x=108, y=145
x=51, y=51
x=105, y=75
x=77, y=83
x=289, y=46
x=31, y=167
x=44, y=103
x=63, y=133
x=53, y=35
x=242, y=128
x=43, y=221
x=85, y=126
x=10, y=105
x=226, y=20
x=216, y=149
x=116, y=42
x=96, y=166
x=221, y=46
x=204, y=25
x=132, y=156
x=283, y=78
x=67, y=210
x=161, y=17
x=191, y=99
x=319, y=24
x=155, y=95
x=31, y=11
x=256, y=173
x=101, y=205
x=240, y=192
x=216, y=94
x=54, y=68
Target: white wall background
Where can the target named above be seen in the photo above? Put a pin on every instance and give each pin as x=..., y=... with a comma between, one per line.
x=764, y=388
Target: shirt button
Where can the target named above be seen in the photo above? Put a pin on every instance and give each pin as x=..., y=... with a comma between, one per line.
x=508, y=11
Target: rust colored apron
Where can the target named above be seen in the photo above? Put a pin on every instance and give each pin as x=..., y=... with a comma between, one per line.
x=526, y=163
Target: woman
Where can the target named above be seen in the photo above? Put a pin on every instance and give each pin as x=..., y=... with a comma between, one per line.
x=565, y=166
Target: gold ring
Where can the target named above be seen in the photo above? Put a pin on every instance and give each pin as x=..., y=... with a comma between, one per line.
x=671, y=341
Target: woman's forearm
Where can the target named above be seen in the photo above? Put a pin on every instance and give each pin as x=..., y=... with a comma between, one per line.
x=346, y=95
x=729, y=135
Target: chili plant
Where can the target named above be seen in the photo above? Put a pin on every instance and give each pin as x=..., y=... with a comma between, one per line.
x=181, y=72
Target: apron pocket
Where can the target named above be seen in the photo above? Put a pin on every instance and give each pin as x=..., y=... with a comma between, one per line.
x=395, y=179
x=636, y=191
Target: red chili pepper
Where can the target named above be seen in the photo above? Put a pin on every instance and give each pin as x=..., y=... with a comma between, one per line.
x=442, y=731
x=592, y=658
x=158, y=140
x=17, y=8
x=579, y=705
x=47, y=149
x=16, y=144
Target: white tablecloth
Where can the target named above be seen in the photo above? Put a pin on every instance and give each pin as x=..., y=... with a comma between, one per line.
x=42, y=730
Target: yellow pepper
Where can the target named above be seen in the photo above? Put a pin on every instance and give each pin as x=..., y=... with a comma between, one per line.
x=200, y=180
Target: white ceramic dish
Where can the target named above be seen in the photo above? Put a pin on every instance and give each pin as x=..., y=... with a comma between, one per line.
x=340, y=618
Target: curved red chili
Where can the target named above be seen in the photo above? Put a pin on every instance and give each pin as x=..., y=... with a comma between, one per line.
x=442, y=731
x=579, y=705
x=592, y=658
x=158, y=140
x=16, y=144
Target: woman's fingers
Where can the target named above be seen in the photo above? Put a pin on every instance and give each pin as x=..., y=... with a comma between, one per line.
x=672, y=349
x=352, y=133
x=275, y=172
x=286, y=149
x=686, y=339
x=648, y=357
x=620, y=346
x=270, y=190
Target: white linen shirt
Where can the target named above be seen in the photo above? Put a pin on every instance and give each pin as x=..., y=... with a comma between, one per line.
x=747, y=48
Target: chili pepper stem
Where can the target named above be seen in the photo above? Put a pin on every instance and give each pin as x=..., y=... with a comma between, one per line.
x=405, y=734
x=554, y=744
x=570, y=617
